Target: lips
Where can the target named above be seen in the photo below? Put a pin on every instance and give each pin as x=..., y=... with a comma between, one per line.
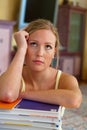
x=38, y=62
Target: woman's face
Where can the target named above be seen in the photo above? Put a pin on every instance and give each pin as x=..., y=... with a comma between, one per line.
x=41, y=49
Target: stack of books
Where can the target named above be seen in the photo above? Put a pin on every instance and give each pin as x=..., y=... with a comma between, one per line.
x=29, y=115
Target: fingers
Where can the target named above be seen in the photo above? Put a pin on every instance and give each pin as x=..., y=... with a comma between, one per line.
x=21, y=38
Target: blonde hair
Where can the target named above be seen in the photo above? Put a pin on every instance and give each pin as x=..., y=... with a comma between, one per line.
x=44, y=24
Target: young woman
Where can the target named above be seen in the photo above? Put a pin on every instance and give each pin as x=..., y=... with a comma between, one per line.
x=30, y=74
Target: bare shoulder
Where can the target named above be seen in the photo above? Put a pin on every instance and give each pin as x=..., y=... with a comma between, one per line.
x=68, y=81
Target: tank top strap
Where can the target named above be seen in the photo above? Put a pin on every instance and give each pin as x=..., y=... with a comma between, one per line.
x=23, y=85
x=56, y=87
x=58, y=78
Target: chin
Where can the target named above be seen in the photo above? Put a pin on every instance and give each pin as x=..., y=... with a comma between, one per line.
x=38, y=69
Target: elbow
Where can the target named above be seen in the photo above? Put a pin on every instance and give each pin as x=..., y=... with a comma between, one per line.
x=76, y=101
x=9, y=97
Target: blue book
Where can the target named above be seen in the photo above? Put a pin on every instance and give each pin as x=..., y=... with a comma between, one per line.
x=35, y=105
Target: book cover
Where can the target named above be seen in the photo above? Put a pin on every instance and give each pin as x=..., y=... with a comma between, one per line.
x=35, y=108
x=35, y=105
x=5, y=105
x=29, y=104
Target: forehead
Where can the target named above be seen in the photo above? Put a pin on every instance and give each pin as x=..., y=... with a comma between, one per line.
x=43, y=34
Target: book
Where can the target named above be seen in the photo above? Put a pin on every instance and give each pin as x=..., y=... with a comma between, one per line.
x=29, y=124
x=37, y=118
x=33, y=110
x=28, y=113
x=36, y=105
x=5, y=105
x=29, y=107
x=17, y=127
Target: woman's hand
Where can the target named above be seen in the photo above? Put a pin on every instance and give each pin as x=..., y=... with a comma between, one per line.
x=21, y=38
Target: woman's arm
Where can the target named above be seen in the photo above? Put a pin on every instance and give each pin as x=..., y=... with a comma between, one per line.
x=10, y=81
x=68, y=94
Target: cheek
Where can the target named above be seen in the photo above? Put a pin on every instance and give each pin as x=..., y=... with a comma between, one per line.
x=49, y=58
x=29, y=53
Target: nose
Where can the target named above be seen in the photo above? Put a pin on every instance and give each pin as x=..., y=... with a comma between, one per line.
x=40, y=51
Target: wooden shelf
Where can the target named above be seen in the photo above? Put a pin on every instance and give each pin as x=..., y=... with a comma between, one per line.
x=71, y=28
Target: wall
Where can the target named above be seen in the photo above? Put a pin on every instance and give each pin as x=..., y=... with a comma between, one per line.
x=9, y=9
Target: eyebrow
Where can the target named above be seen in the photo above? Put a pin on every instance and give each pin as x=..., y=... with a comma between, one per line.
x=51, y=43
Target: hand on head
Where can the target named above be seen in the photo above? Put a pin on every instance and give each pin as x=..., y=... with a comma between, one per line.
x=21, y=38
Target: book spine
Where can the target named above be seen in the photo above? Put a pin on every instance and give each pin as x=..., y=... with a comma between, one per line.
x=22, y=127
x=29, y=124
x=30, y=112
x=29, y=118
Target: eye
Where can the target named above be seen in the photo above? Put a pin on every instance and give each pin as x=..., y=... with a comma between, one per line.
x=48, y=47
x=33, y=44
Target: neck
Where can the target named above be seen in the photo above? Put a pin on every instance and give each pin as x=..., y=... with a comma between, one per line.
x=37, y=78
x=39, y=75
